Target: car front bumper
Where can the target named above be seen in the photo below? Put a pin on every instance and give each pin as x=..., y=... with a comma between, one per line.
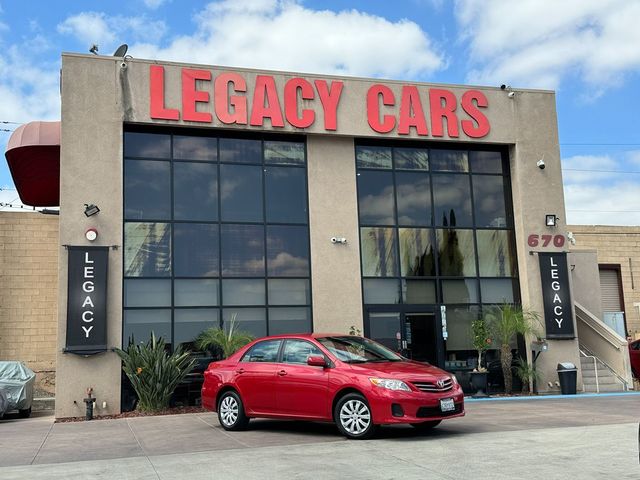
x=393, y=406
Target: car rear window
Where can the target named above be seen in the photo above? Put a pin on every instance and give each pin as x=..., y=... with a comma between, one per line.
x=266, y=351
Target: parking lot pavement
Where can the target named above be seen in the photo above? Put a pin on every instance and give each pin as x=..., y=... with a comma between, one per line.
x=578, y=437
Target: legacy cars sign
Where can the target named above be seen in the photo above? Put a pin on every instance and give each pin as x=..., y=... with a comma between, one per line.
x=433, y=112
x=87, y=300
x=556, y=296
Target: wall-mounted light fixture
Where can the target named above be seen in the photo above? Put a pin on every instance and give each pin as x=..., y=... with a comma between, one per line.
x=90, y=209
x=91, y=234
x=550, y=220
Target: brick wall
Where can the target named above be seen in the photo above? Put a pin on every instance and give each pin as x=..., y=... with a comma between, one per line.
x=618, y=246
x=29, y=290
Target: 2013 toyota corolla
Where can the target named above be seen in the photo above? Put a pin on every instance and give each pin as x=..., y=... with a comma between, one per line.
x=353, y=381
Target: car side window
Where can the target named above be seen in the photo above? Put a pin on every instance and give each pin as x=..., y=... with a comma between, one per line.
x=266, y=351
x=298, y=351
x=635, y=346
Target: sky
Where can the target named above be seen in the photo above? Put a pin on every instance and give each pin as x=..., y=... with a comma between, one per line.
x=588, y=51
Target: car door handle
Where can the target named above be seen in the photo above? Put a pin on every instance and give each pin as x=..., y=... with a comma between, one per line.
x=282, y=373
x=240, y=370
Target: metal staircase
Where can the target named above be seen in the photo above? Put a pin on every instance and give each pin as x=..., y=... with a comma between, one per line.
x=597, y=376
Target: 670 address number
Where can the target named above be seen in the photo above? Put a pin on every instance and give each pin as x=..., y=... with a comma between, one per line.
x=534, y=240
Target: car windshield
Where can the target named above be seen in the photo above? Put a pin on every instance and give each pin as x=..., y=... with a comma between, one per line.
x=358, y=350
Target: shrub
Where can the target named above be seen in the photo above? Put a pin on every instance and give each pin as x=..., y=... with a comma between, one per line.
x=154, y=373
x=226, y=341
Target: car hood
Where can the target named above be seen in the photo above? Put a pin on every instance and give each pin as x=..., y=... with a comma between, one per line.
x=404, y=370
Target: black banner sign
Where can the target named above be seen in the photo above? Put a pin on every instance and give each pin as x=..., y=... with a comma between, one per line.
x=556, y=295
x=87, y=300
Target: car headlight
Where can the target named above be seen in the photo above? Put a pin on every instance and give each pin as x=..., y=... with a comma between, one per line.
x=454, y=379
x=390, y=384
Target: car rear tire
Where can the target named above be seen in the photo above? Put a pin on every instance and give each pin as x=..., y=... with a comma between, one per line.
x=25, y=413
x=353, y=417
x=231, y=412
x=425, y=426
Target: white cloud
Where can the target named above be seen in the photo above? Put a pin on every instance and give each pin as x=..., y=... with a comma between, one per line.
x=279, y=34
x=153, y=4
x=110, y=31
x=534, y=43
x=601, y=198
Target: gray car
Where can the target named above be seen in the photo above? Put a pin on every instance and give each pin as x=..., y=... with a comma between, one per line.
x=16, y=388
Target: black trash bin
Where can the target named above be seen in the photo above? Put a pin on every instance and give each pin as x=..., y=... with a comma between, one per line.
x=568, y=375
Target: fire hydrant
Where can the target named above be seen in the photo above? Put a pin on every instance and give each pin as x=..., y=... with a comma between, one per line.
x=89, y=401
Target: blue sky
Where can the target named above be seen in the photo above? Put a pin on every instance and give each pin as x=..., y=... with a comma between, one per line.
x=586, y=50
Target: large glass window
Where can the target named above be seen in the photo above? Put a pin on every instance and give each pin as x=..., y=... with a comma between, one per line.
x=215, y=231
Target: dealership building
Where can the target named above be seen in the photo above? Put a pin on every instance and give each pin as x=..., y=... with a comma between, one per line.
x=191, y=196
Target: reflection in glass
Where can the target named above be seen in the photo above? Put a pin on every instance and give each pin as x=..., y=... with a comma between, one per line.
x=488, y=198
x=195, y=292
x=378, y=250
x=241, y=193
x=285, y=195
x=283, y=153
x=456, y=252
x=419, y=291
x=411, y=158
x=289, y=291
x=289, y=320
x=459, y=327
x=191, y=322
x=287, y=251
x=195, y=191
x=147, y=249
x=195, y=148
x=147, y=145
x=485, y=162
x=375, y=198
x=416, y=252
x=452, y=200
x=413, y=197
x=373, y=157
x=498, y=290
x=378, y=290
x=460, y=291
x=195, y=250
x=138, y=325
x=249, y=320
x=242, y=250
x=240, y=150
x=147, y=293
x=243, y=292
x=147, y=190
x=496, y=253
x=383, y=328
x=449, y=160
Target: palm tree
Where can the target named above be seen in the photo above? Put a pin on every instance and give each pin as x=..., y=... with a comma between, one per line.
x=505, y=322
x=228, y=341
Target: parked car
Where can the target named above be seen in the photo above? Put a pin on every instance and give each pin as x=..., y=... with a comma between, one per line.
x=350, y=380
x=634, y=354
x=16, y=383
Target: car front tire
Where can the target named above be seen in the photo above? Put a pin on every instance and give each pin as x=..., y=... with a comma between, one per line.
x=353, y=417
x=231, y=412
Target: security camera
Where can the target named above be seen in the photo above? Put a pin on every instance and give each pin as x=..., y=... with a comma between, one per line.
x=503, y=87
x=334, y=240
x=123, y=65
x=540, y=164
x=511, y=94
x=338, y=240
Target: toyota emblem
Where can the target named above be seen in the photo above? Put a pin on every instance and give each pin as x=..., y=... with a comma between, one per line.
x=440, y=383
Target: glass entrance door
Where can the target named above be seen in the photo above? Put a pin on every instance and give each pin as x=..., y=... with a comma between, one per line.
x=414, y=333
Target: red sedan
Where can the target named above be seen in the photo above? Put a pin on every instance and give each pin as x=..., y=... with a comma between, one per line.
x=352, y=381
x=634, y=354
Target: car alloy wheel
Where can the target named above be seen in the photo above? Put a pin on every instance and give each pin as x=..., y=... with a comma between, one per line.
x=231, y=412
x=353, y=417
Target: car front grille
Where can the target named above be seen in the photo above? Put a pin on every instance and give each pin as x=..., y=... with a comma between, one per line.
x=434, y=387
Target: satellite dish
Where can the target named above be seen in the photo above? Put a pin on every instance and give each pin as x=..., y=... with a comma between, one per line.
x=121, y=51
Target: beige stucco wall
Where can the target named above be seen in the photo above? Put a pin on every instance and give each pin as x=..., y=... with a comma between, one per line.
x=98, y=95
x=586, y=280
x=616, y=245
x=29, y=291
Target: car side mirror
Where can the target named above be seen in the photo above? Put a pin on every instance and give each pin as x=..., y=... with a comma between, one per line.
x=316, y=361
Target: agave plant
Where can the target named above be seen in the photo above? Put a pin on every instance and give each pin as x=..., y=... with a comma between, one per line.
x=226, y=341
x=505, y=322
x=154, y=373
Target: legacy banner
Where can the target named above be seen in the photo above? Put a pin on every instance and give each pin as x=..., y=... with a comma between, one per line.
x=556, y=295
x=87, y=300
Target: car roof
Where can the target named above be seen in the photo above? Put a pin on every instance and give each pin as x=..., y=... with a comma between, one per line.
x=305, y=335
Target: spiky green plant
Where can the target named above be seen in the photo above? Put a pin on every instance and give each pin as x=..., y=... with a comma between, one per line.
x=505, y=322
x=526, y=372
x=154, y=373
x=228, y=341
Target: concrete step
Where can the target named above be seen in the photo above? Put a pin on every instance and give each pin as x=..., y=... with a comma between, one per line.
x=608, y=380
x=590, y=372
x=604, y=388
x=44, y=403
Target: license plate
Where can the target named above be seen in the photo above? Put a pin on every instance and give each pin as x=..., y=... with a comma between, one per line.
x=447, y=405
